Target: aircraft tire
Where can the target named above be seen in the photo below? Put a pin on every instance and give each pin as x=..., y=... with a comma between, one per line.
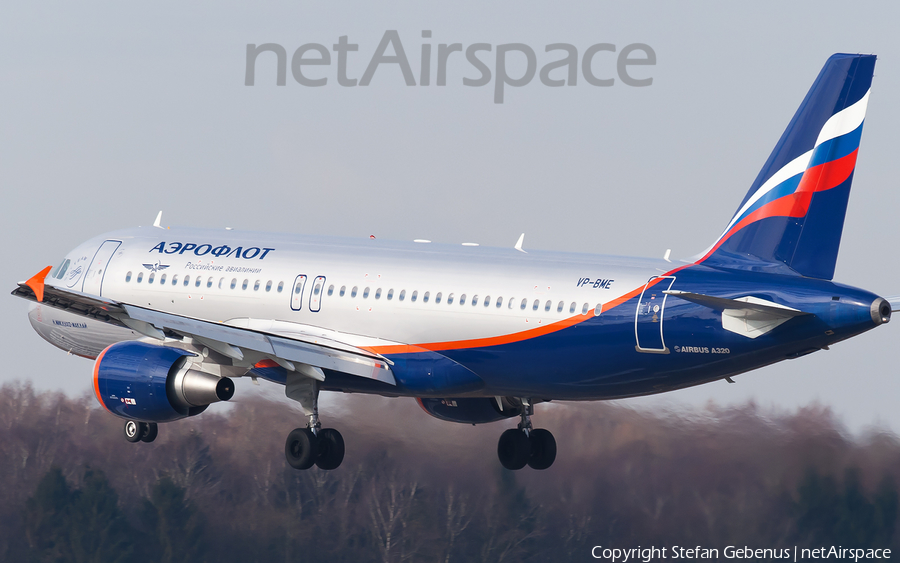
x=301, y=448
x=134, y=430
x=514, y=449
x=543, y=449
x=150, y=432
x=331, y=449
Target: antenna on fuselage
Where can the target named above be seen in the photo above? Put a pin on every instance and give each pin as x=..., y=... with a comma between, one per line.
x=519, y=243
x=158, y=220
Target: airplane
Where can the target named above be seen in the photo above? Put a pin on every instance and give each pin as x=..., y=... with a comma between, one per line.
x=475, y=334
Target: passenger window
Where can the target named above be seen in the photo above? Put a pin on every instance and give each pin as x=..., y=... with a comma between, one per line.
x=462, y=299
x=449, y=299
x=353, y=291
x=475, y=300
x=245, y=284
x=425, y=297
x=221, y=282
x=317, y=289
x=598, y=309
x=511, y=299
x=437, y=298
x=140, y=277
x=572, y=307
x=330, y=290
x=584, y=309
x=187, y=280
x=524, y=304
x=342, y=291
x=499, y=302
x=280, y=286
x=162, y=279
x=233, y=283
x=414, y=296
x=198, y=281
x=402, y=295
x=487, y=300
x=378, y=293
x=560, y=306
x=268, y=286
x=175, y=279
x=537, y=303
x=150, y=277
x=366, y=293
x=547, y=305
x=128, y=277
x=390, y=294
x=256, y=285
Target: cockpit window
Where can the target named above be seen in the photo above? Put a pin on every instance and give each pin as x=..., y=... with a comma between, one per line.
x=62, y=269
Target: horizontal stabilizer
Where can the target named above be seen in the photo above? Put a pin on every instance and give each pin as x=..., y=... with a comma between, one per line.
x=744, y=303
x=895, y=303
x=748, y=316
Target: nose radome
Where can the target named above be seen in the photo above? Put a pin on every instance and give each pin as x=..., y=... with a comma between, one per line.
x=881, y=311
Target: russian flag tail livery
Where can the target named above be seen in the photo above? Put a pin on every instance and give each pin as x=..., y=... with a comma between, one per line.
x=794, y=212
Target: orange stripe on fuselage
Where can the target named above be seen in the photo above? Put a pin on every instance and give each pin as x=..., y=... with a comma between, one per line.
x=514, y=337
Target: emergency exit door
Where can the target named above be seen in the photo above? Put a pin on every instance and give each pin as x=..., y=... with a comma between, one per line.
x=297, y=292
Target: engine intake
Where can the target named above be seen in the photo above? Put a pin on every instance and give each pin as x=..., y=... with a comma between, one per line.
x=152, y=383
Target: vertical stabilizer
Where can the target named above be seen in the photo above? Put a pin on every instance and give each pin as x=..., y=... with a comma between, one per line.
x=794, y=211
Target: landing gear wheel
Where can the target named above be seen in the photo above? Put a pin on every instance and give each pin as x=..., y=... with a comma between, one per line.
x=514, y=449
x=543, y=449
x=150, y=431
x=331, y=449
x=133, y=431
x=301, y=448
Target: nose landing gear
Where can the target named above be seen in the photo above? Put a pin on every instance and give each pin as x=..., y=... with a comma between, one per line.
x=140, y=431
x=526, y=446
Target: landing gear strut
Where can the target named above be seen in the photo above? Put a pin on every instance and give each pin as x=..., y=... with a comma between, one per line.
x=525, y=445
x=313, y=445
x=141, y=431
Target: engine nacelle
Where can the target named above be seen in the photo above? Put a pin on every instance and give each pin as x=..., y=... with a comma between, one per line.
x=152, y=383
x=477, y=410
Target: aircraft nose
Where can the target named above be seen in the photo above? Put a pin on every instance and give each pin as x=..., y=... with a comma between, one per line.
x=880, y=311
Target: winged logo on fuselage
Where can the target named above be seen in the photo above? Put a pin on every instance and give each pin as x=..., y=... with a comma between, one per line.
x=156, y=267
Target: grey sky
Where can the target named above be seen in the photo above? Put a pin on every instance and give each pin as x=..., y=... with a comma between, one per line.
x=112, y=111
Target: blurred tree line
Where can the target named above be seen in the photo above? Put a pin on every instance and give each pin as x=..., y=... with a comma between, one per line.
x=216, y=487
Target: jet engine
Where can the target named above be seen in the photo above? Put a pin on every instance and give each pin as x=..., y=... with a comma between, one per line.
x=152, y=383
x=477, y=410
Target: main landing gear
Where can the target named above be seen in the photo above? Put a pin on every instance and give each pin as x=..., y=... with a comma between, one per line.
x=141, y=431
x=525, y=445
x=313, y=445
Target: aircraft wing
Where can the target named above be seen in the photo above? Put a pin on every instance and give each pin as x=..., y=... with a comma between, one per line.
x=240, y=344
